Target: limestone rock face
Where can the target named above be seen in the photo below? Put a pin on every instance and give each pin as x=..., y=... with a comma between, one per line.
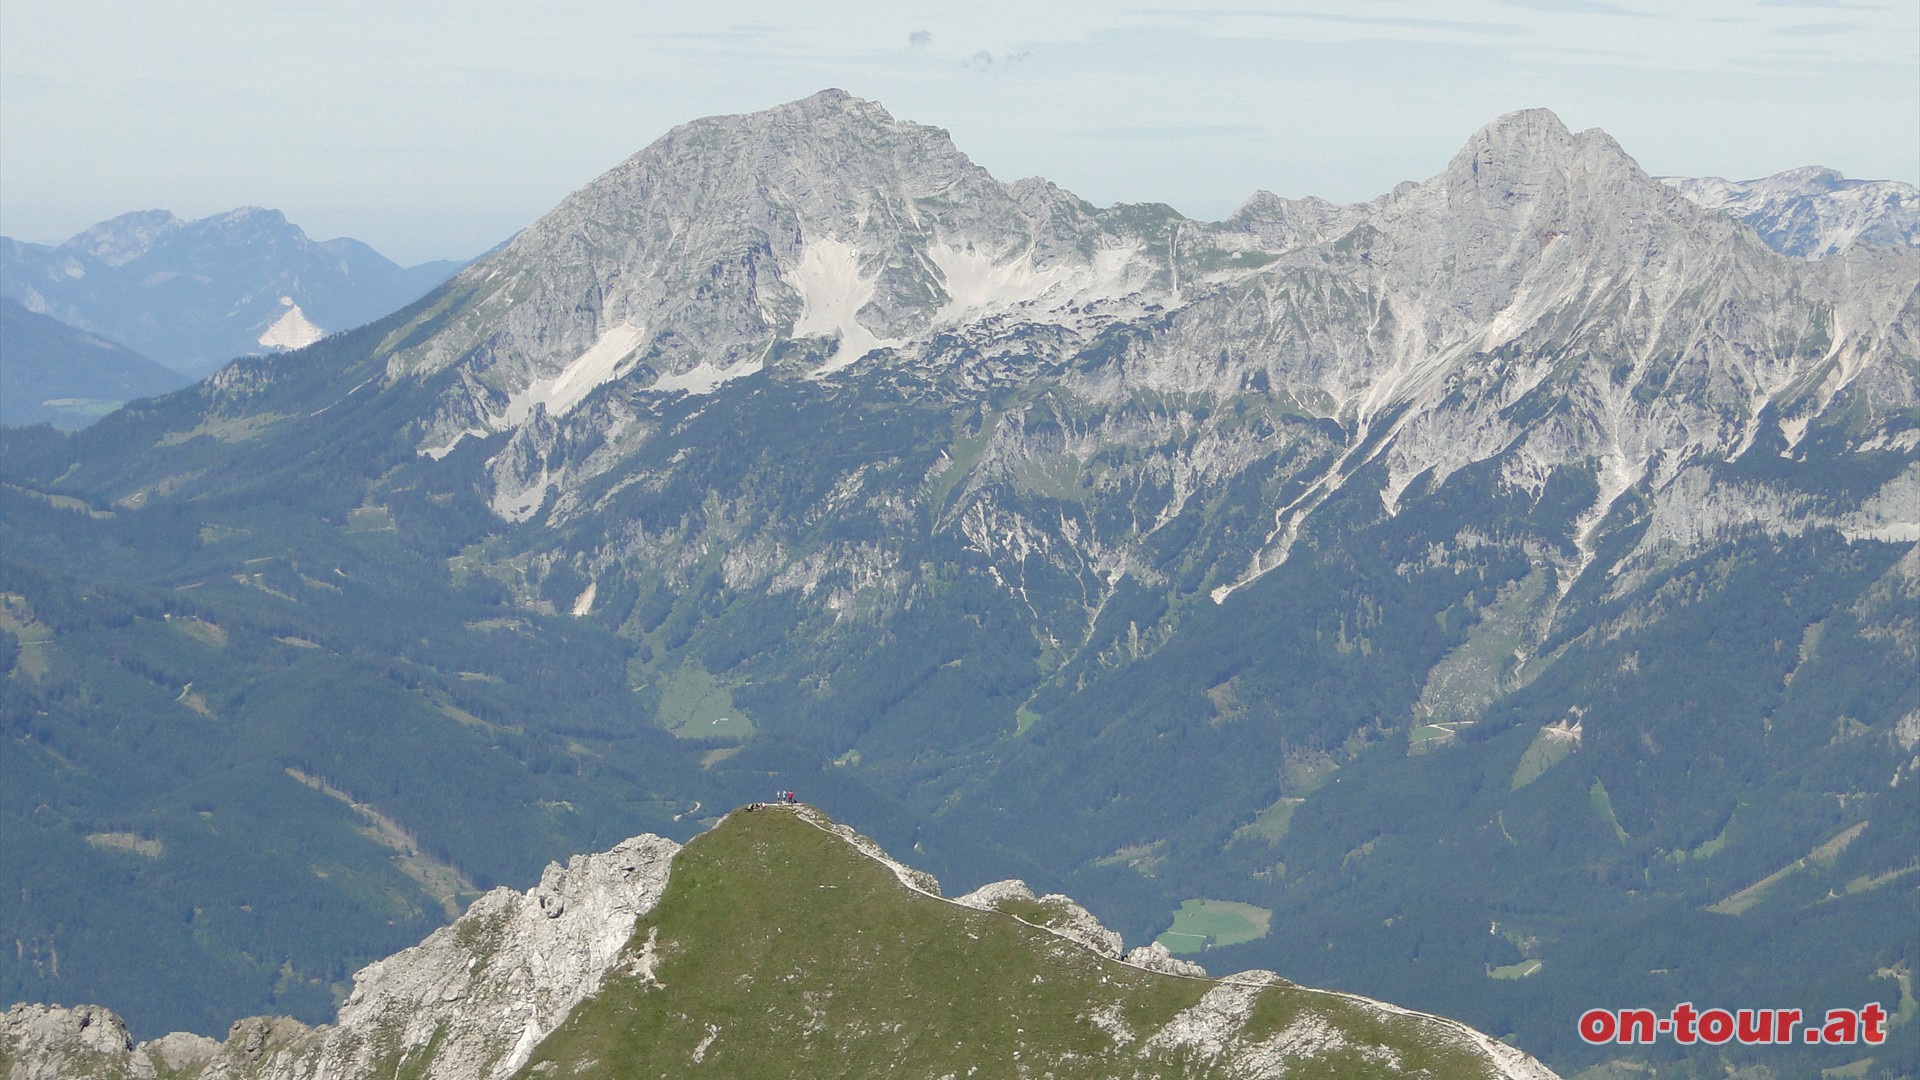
x=1058, y=913
x=255, y=1046
x=48, y=1042
x=1075, y=923
x=1214, y=1029
x=1066, y=917
x=180, y=1051
x=990, y=896
x=1154, y=957
x=1544, y=303
x=470, y=1001
x=492, y=984
x=1540, y=323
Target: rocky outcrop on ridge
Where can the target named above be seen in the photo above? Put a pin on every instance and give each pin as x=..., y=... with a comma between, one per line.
x=48, y=1042
x=469, y=1002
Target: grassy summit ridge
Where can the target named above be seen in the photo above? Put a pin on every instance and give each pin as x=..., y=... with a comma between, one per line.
x=779, y=944
x=781, y=950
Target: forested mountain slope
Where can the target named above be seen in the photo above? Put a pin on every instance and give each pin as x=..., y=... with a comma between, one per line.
x=51, y=373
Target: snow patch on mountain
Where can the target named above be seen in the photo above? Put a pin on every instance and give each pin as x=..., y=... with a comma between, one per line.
x=1114, y=273
x=599, y=364
x=292, y=330
x=192, y=295
x=435, y=453
x=583, y=604
x=977, y=285
x=706, y=378
x=1478, y=290
x=833, y=289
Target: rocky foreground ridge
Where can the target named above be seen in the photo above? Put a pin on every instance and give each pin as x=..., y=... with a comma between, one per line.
x=483, y=996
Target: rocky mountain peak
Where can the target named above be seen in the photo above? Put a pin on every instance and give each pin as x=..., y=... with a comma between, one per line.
x=253, y=219
x=1473, y=453
x=817, y=158
x=1808, y=180
x=120, y=240
x=1282, y=224
x=1527, y=208
x=828, y=106
x=1510, y=144
x=824, y=223
x=1527, y=169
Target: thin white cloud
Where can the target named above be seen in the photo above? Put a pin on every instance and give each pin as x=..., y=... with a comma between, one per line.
x=1178, y=131
x=1831, y=5
x=1345, y=18
x=1578, y=7
x=1819, y=29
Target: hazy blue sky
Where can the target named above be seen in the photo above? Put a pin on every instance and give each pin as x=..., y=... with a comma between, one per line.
x=436, y=129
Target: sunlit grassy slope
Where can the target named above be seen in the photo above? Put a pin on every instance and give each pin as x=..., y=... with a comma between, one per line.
x=780, y=950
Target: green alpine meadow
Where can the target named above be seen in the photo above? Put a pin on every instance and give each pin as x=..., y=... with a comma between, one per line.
x=782, y=944
x=771, y=926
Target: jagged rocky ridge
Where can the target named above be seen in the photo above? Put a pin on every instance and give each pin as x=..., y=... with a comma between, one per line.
x=1542, y=304
x=479, y=993
x=478, y=997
